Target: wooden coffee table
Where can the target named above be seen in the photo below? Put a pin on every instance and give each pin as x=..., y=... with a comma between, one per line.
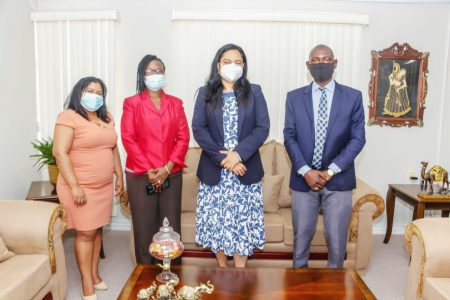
x=258, y=283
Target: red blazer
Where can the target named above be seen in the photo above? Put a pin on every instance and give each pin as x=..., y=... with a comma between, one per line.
x=151, y=138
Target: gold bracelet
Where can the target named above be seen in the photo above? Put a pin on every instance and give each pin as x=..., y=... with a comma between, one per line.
x=167, y=169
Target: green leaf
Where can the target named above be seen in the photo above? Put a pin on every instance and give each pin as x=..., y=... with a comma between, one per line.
x=45, y=153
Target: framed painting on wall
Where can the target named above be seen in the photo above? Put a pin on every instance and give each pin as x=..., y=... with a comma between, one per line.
x=398, y=86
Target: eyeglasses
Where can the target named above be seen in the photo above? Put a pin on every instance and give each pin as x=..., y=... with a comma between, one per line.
x=153, y=71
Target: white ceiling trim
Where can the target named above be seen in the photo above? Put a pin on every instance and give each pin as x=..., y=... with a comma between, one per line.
x=403, y=1
x=74, y=15
x=271, y=16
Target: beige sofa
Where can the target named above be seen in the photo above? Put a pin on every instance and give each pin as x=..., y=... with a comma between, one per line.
x=367, y=205
x=428, y=242
x=32, y=230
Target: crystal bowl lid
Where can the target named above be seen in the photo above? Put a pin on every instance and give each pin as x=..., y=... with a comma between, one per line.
x=166, y=233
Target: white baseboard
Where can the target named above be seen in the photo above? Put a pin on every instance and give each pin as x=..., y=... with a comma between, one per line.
x=395, y=230
x=120, y=226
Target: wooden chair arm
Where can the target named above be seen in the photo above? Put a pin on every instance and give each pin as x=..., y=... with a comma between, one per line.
x=369, y=198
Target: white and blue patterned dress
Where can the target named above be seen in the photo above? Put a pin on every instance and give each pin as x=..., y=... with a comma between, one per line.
x=230, y=215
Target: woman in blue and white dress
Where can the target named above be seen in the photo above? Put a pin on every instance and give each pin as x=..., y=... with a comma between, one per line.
x=230, y=123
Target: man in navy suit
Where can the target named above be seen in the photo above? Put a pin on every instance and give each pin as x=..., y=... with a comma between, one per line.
x=323, y=134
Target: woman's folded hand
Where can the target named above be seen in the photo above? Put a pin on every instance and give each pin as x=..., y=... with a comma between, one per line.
x=240, y=169
x=231, y=160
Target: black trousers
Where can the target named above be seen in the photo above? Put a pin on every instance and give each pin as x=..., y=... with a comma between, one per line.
x=149, y=211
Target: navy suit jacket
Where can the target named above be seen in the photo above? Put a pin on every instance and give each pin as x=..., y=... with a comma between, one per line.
x=345, y=135
x=253, y=129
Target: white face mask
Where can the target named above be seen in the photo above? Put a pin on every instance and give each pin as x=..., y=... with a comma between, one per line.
x=155, y=82
x=231, y=72
x=91, y=102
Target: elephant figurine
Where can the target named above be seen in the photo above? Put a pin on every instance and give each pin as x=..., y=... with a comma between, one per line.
x=167, y=291
x=145, y=294
x=194, y=293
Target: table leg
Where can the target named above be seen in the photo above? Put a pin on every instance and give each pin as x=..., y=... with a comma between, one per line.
x=102, y=252
x=390, y=205
x=419, y=211
x=445, y=213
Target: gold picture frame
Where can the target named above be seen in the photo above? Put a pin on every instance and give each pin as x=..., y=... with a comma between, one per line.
x=398, y=86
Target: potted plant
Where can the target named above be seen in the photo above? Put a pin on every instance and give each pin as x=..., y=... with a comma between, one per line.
x=45, y=157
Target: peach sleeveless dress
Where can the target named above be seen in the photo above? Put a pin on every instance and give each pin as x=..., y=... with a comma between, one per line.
x=92, y=159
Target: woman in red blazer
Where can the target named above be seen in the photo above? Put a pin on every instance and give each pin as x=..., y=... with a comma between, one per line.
x=155, y=135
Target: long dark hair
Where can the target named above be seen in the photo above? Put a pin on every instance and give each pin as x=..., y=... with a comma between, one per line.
x=140, y=78
x=76, y=94
x=214, y=88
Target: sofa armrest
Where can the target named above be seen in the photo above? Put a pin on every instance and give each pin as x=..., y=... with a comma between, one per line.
x=365, y=200
x=427, y=242
x=32, y=227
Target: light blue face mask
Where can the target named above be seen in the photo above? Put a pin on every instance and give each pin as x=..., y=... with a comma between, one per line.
x=155, y=82
x=91, y=102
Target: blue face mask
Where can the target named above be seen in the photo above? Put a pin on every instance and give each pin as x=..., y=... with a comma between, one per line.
x=91, y=102
x=155, y=82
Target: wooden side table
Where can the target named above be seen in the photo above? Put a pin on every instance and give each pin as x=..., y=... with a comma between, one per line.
x=45, y=191
x=42, y=191
x=408, y=193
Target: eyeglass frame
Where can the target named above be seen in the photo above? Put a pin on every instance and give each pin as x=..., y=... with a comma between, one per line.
x=150, y=71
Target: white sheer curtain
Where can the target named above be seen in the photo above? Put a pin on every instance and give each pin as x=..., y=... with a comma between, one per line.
x=276, y=43
x=69, y=46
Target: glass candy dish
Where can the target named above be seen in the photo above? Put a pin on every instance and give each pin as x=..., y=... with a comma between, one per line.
x=166, y=246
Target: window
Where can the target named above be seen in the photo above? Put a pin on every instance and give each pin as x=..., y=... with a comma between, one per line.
x=277, y=45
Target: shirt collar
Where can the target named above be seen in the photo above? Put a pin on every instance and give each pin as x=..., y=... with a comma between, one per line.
x=329, y=87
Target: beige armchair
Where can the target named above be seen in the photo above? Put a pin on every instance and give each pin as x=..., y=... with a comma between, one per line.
x=32, y=230
x=428, y=242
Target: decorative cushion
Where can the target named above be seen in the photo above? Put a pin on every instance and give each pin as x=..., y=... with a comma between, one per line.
x=271, y=186
x=283, y=167
x=24, y=275
x=436, y=288
x=189, y=192
x=188, y=227
x=318, y=238
x=267, y=152
x=273, y=227
x=192, y=159
x=4, y=252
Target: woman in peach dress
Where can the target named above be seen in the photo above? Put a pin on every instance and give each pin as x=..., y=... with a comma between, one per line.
x=85, y=147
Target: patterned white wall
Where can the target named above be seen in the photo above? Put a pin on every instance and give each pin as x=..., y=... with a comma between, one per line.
x=277, y=45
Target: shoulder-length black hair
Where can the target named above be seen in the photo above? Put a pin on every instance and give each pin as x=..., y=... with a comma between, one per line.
x=140, y=78
x=214, y=88
x=77, y=93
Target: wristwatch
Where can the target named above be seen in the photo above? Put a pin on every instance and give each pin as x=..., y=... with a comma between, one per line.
x=330, y=172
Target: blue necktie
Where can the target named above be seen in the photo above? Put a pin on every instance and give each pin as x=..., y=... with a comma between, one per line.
x=321, y=130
